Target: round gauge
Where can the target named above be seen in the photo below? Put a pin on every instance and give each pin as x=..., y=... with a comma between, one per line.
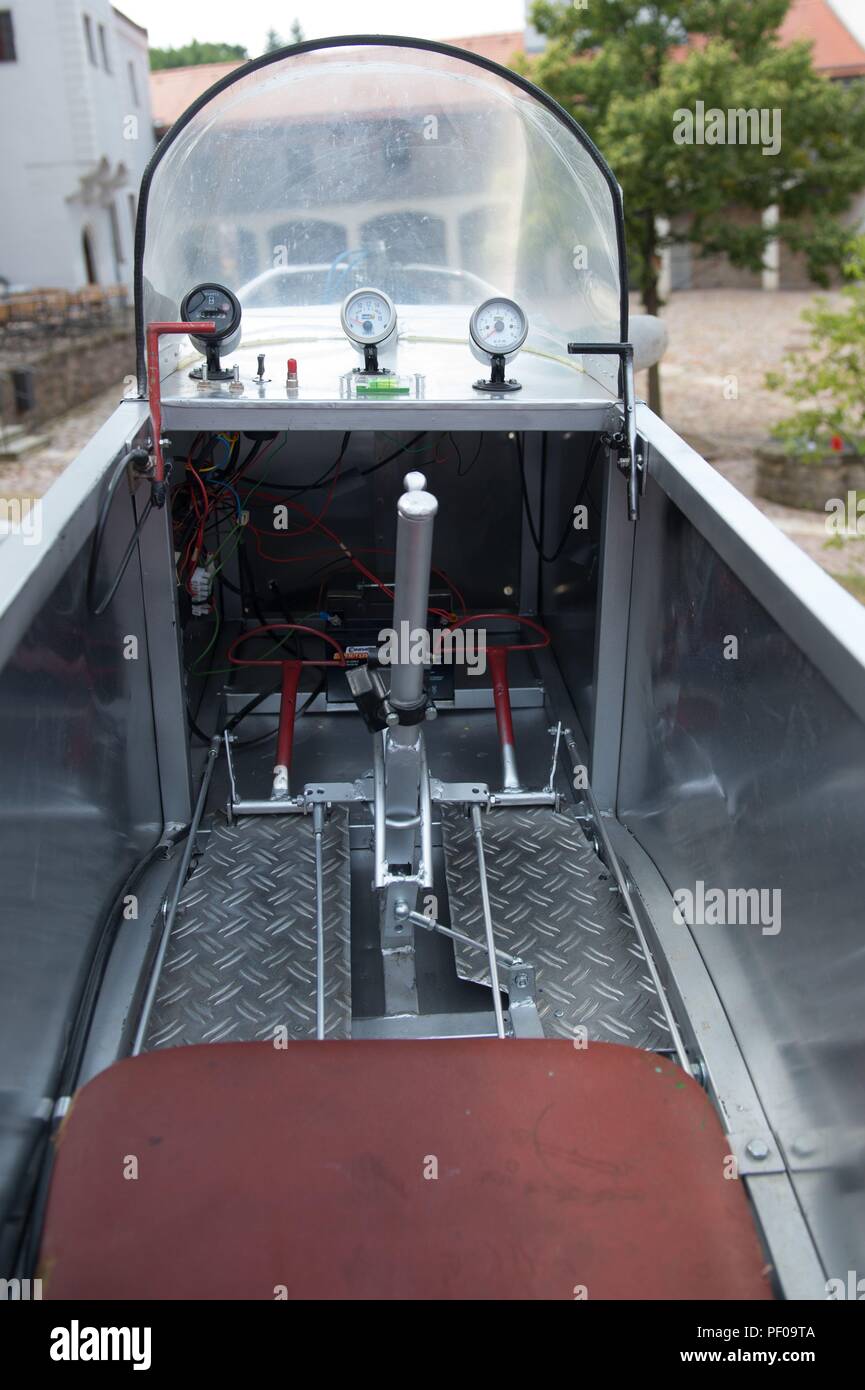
x=211, y=303
x=368, y=317
x=499, y=327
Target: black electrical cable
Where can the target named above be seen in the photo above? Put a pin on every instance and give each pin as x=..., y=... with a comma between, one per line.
x=257, y=446
x=196, y=728
x=297, y=489
x=528, y=511
x=251, y=705
x=464, y=473
x=365, y=472
x=133, y=456
x=456, y=449
x=248, y=582
x=581, y=493
x=73, y=1055
x=98, y=609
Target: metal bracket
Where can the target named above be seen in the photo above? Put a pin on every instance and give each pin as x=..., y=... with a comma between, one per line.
x=328, y=793
x=631, y=461
x=469, y=793
x=522, y=1007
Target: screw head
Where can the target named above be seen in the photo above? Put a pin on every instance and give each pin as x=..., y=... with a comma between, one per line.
x=401, y=911
x=521, y=980
x=757, y=1149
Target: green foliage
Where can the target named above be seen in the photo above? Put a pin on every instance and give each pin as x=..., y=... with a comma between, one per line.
x=194, y=53
x=276, y=41
x=626, y=71
x=827, y=378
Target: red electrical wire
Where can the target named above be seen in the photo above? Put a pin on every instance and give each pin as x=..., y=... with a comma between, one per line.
x=508, y=617
x=267, y=629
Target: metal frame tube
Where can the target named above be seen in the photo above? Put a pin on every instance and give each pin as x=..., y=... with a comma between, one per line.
x=426, y=853
x=378, y=811
x=416, y=512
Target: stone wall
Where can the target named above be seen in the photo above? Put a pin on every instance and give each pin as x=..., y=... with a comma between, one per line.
x=807, y=483
x=67, y=371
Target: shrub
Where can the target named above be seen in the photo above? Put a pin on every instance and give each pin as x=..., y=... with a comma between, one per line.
x=827, y=378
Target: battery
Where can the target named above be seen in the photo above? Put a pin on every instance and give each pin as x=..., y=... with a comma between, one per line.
x=357, y=614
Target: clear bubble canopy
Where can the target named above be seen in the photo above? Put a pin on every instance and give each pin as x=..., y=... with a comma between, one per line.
x=420, y=171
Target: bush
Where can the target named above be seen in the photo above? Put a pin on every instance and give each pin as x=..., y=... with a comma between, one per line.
x=828, y=376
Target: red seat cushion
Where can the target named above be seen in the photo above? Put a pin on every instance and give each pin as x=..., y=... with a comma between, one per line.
x=303, y=1170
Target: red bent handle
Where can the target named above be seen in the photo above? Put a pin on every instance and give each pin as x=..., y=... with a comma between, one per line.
x=154, y=333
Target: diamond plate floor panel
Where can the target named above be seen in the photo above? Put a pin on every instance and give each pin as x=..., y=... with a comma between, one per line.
x=241, y=956
x=554, y=906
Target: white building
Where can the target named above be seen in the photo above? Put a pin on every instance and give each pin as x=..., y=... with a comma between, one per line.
x=77, y=132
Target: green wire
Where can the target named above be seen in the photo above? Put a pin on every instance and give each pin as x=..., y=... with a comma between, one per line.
x=210, y=645
x=419, y=448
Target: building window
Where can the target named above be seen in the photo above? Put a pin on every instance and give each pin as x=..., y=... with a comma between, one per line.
x=7, y=38
x=133, y=84
x=103, y=45
x=88, y=36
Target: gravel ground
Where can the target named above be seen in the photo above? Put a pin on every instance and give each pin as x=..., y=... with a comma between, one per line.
x=33, y=475
x=722, y=343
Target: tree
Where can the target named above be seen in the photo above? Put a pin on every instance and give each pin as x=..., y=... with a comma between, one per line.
x=275, y=39
x=650, y=83
x=194, y=53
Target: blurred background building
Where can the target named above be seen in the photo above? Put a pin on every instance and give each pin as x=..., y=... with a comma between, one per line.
x=78, y=131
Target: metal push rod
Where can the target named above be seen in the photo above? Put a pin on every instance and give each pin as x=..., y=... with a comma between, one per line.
x=183, y=870
x=317, y=831
x=420, y=919
x=488, y=921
